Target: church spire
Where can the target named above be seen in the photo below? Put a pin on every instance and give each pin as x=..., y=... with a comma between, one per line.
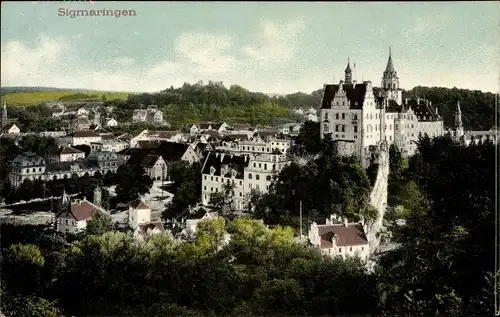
x=390, y=67
x=348, y=72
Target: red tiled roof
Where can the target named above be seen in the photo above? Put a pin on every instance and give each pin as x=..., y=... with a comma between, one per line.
x=83, y=210
x=351, y=235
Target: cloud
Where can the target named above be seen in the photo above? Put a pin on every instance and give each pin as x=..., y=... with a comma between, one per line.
x=427, y=24
x=206, y=53
x=277, y=42
x=124, y=61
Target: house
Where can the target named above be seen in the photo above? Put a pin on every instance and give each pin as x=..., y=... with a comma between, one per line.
x=11, y=129
x=155, y=167
x=338, y=237
x=195, y=217
x=151, y=115
x=171, y=136
x=85, y=137
x=81, y=123
x=219, y=127
x=143, y=136
x=69, y=154
x=148, y=229
x=53, y=134
x=74, y=218
x=82, y=112
x=110, y=122
x=109, y=143
x=191, y=129
x=138, y=213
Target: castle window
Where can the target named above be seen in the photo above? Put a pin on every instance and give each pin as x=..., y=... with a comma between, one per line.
x=355, y=129
x=325, y=128
x=343, y=128
x=395, y=127
x=326, y=116
x=390, y=126
x=343, y=116
x=257, y=177
x=371, y=115
x=250, y=176
x=336, y=116
x=336, y=128
x=355, y=116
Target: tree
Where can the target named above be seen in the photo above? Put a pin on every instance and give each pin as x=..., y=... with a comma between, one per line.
x=450, y=239
x=308, y=141
x=132, y=182
x=22, y=267
x=100, y=223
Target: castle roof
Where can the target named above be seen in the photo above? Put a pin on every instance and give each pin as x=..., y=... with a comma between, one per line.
x=217, y=160
x=355, y=94
x=348, y=68
x=390, y=67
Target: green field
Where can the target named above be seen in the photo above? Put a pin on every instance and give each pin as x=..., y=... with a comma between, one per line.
x=30, y=98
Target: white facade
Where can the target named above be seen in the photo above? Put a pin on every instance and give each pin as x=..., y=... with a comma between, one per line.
x=70, y=156
x=139, y=214
x=13, y=129
x=111, y=123
x=245, y=172
x=341, y=239
x=85, y=138
x=353, y=115
x=257, y=146
x=159, y=169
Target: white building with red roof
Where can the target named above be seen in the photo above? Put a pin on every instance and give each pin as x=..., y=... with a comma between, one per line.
x=74, y=219
x=338, y=237
x=139, y=213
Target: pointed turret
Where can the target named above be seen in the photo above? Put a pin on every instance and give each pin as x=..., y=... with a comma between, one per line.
x=348, y=73
x=390, y=67
x=459, y=129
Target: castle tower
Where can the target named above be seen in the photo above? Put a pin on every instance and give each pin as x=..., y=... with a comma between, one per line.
x=5, y=119
x=97, y=196
x=459, y=129
x=348, y=73
x=390, y=81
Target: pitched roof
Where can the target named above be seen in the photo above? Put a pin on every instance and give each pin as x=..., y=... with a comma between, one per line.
x=355, y=94
x=163, y=134
x=81, y=210
x=150, y=160
x=107, y=137
x=69, y=150
x=234, y=137
x=147, y=228
x=350, y=235
x=85, y=134
x=138, y=204
x=217, y=160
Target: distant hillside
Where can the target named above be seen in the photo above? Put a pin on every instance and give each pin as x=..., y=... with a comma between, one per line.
x=23, y=96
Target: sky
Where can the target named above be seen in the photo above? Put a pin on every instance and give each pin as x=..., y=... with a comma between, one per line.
x=271, y=47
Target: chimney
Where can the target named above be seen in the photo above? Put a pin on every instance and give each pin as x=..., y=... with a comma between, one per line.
x=418, y=101
x=345, y=222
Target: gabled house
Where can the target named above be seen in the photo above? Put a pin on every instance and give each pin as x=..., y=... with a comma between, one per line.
x=219, y=127
x=191, y=129
x=155, y=167
x=11, y=129
x=195, y=217
x=149, y=229
x=338, y=237
x=139, y=213
x=68, y=154
x=74, y=218
x=110, y=122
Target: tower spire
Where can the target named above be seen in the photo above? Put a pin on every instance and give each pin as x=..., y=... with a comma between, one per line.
x=348, y=72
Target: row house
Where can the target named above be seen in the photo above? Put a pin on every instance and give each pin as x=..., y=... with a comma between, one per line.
x=244, y=172
x=256, y=145
x=206, y=126
x=340, y=238
x=33, y=167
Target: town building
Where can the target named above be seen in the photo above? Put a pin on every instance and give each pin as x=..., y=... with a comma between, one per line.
x=338, y=237
x=11, y=129
x=150, y=115
x=139, y=220
x=155, y=167
x=256, y=145
x=243, y=172
x=358, y=119
x=74, y=217
x=34, y=167
x=68, y=154
x=110, y=122
x=85, y=137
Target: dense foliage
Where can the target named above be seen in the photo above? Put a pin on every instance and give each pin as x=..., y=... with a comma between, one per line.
x=478, y=108
x=445, y=262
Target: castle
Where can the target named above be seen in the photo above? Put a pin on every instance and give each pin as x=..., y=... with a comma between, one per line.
x=359, y=119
